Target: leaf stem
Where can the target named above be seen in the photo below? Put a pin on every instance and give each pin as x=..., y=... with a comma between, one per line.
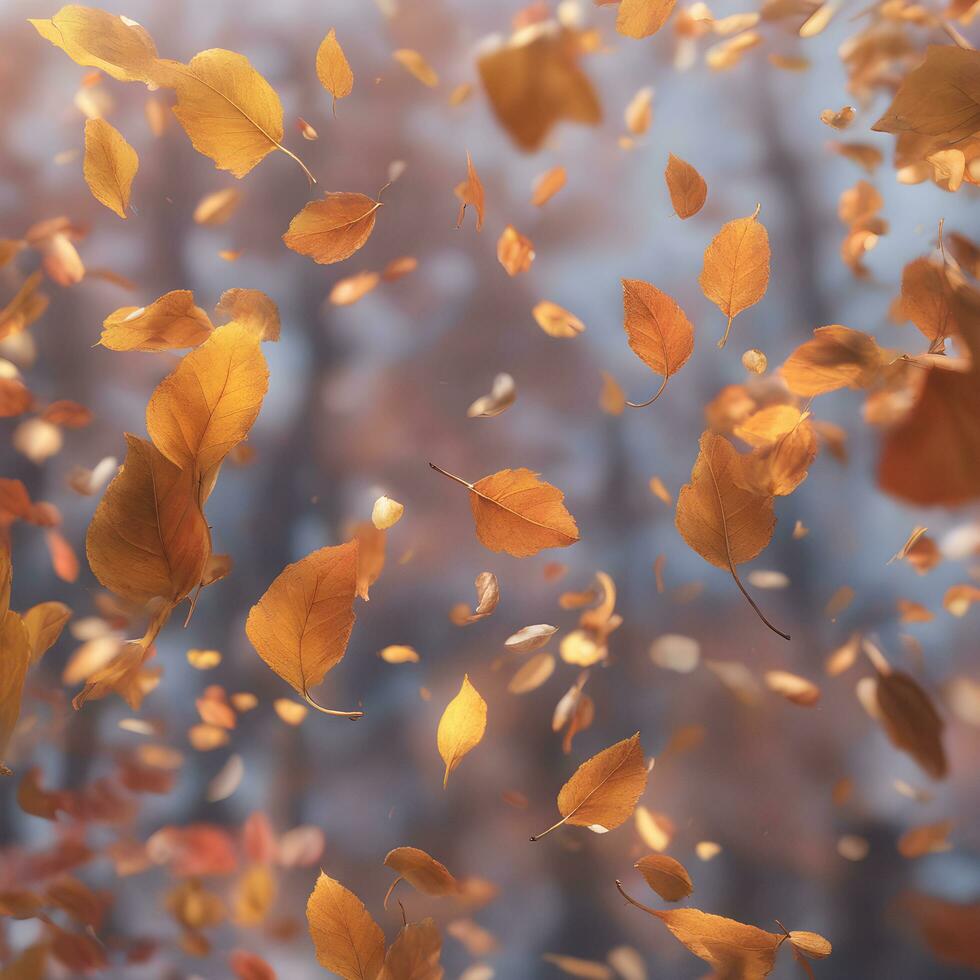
x=650, y=401
x=353, y=715
x=633, y=901
x=452, y=476
x=535, y=837
x=751, y=601
x=728, y=330
x=384, y=904
x=306, y=169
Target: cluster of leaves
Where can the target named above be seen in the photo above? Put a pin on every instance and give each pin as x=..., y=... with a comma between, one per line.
x=149, y=542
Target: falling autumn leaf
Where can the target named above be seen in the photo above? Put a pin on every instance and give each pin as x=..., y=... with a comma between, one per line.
x=470, y=191
x=723, y=522
x=461, y=726
x=168, y=323
x=302, y=624
x=201, y=411
x=556, y=321
x=733, y=949
x=422, y=871
x=666, y=876
x=333, y=229
x=347, y=940
x=229, y=111
x=148, y=537
x=604, y=791
x=116, y=45
x=333, y=69
x=414, y=63
x=415, y=954
x=658, y=331
x=641, y=18
x=110, y=165
x=735, y=275
x=516, y=513
x=687, y=188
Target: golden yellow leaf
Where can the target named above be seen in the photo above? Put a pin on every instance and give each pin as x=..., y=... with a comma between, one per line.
x=422, y=871
x=415, y=953
x=168, y=323
x=16, y=646
x=347, y=940
x=810, y=943
x=556, y=321
x=470, y=191
x=302, y=624
x=206, y=406
x=784, y=445
x=736, y=267
x=230, y=112
x=666, y=876
x=461, y=726
x=110, y=165
x=148, y=536
x=657, y=330
x=733, y=949
x=516, y=513
x=687, y=188
x=252, y=308
x=371, y=542
x=113, y=44
x=333, y=229
x=548, y=185
x=722, y=521
x=350, y=289
x=641, y=18
x=836, y=357
x=603, y=792
x=333, y=69
x=534, y=81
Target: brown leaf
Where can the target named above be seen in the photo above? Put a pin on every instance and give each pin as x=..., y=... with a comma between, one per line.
x=911, y=722
x=534, y=81
x=722, y=521
x=516, y=513
x=836, y=357
x=687, y=188
x=603, y=792
x=734, y=950
x=736, y=267
x=347, y=940
x=148, y=536
x=333, y=229
x=415, y=953
x=658, y=331
x=666, y=876
x=302, y=624
x=168, y=323
x=422, y=871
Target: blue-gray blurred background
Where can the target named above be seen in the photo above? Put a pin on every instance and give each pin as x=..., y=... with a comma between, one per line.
x=361, y=397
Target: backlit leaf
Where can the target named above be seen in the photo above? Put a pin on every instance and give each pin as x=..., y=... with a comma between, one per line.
x=461, y=726
x=110, y=165
x=168, y=323
x=347, y=940
x=302, y=624
x=333, y=229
